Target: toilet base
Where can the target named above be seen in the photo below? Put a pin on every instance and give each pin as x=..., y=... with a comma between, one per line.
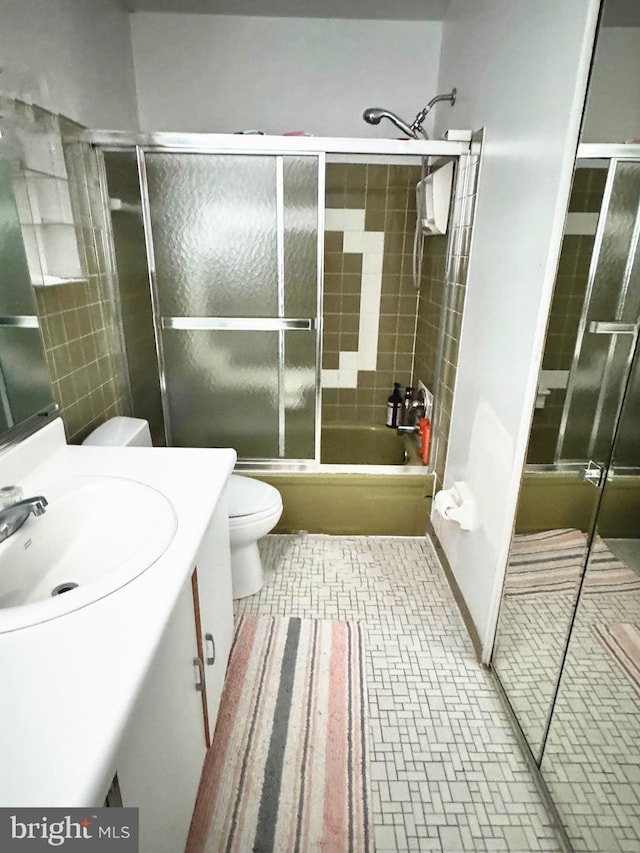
x=247, y=576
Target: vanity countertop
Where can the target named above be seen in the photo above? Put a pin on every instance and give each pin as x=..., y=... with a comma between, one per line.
x=69, y=684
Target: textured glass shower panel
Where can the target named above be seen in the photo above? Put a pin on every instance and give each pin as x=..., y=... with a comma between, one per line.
x=222, y=389
x=299, y=394
x=213, y=218
x=22, y=364
x=136, y=311
x=627, y=444
x=16, y=296
x=600, y=369
x=300, y=236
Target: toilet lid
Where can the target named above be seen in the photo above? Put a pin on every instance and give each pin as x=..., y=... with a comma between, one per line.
x=246, y=496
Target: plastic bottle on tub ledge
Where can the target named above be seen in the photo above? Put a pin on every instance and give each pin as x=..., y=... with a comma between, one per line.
x=394, y=407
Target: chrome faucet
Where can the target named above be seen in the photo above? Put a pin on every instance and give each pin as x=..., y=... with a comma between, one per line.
x=13, y=517
x=415, y=411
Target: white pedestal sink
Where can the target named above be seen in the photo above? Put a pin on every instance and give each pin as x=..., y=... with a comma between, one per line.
x=98, y=534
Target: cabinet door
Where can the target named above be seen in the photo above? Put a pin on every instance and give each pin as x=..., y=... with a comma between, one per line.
x=161, y=755
x=216, y=606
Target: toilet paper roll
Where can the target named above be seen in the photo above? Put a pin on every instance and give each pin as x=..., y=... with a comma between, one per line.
x=444, y=502
x=457, y=504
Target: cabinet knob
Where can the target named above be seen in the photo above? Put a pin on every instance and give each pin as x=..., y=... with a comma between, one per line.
x=197, y=662
x=211, y=659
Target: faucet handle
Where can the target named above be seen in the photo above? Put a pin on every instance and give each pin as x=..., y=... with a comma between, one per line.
x=10, y=495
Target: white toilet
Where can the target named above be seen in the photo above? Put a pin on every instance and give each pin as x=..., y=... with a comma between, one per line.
x=254, y=507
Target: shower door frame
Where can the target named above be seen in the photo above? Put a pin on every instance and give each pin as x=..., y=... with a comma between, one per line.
x=614, y=154
x=278, y=324
x=273, y=146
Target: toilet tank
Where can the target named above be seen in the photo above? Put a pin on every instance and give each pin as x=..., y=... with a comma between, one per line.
x=121, y=432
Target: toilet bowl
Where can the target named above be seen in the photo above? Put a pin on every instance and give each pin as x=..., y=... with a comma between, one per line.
x=254, y=510
x=254, y=507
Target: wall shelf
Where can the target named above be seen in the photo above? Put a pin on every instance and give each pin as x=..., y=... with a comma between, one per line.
x=55, y=281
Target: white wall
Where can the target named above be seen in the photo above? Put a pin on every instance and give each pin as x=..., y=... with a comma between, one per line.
x=226, y=73
x=73, y=56
x=521, y=70
x=613, y=106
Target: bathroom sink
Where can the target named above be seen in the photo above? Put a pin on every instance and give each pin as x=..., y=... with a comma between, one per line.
x=98, y=534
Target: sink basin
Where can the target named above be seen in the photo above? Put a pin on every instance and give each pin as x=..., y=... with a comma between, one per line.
x=98, y=534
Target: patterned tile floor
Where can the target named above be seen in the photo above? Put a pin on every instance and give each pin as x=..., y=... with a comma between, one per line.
x=447, y=771
x=592, y=757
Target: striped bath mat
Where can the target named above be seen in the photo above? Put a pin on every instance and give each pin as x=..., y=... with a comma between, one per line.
x=288, y=767
x=553, y=561
x=545, y=562
x=622, y=641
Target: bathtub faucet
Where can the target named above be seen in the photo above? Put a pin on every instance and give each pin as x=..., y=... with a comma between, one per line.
x=413, y=414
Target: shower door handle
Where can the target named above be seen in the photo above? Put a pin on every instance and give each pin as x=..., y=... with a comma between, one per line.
x=603, y=327
x=593, y=473
x=239, y=324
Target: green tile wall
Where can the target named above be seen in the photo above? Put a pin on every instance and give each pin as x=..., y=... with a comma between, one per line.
x=419, y=333
x=441, y=305
x=77, y=320
x=387, y=194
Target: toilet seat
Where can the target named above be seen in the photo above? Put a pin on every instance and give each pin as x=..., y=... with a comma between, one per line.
x=251, y=498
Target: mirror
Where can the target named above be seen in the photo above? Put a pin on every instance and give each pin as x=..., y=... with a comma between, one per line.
x=567, y=649
x=591, y=757
x=24, y=381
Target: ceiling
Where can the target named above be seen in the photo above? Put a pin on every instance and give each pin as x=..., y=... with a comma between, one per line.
x=385, y=10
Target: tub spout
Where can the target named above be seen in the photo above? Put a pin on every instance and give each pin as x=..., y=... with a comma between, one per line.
x=408, y=429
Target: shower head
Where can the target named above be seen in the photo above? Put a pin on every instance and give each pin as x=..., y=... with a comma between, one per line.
x=374, y=115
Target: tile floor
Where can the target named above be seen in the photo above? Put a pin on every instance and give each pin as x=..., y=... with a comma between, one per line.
x=592, y=757
x=447, y=772
x=591, y=761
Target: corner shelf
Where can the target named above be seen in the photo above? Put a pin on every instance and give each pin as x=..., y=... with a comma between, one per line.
x=55, y=281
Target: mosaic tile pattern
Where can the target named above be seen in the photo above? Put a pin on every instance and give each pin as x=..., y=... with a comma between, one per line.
x=592, y=758
x=532, y=635
x=447, y=771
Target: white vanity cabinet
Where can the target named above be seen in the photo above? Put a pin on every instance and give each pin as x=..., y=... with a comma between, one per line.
x=161, y=754
x=215, y=607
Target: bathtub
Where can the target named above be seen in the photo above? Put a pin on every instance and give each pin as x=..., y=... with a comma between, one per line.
x=361, y=444
x=551, y=499
x=369, y=482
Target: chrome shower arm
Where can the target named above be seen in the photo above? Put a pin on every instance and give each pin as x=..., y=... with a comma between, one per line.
x=416, y=126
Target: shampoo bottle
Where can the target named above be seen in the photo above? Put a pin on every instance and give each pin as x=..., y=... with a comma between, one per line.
x=406, y=406
x=394, y=406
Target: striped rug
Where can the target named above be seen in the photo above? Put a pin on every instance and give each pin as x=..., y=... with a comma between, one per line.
x=553, y=561
x=288, y=767
x=622, y=641
x=545, y=562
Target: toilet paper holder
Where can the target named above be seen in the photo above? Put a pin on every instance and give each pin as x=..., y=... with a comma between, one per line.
x=457, y=504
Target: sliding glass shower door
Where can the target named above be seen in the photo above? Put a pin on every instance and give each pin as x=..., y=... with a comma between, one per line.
x=233, y=252
x=609, y=322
